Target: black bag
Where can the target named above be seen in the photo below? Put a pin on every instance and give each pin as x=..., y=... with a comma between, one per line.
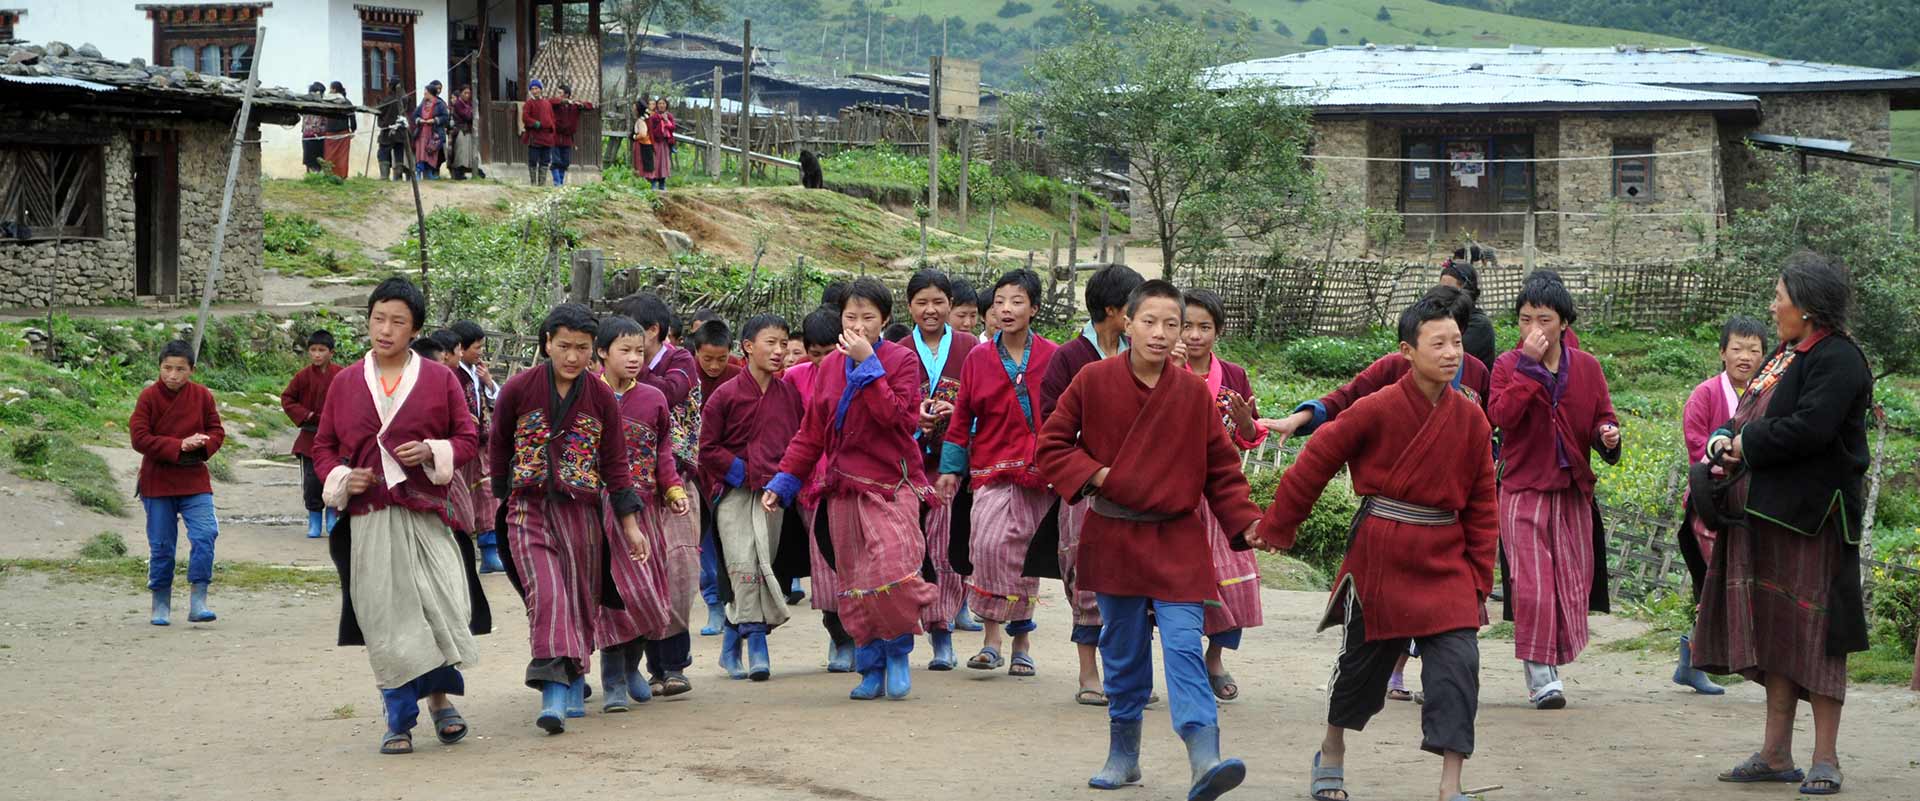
x=1708, y=493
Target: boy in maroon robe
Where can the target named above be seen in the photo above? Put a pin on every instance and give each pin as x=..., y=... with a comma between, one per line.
x=176, y=428
x=942, y=349
x=537, y=133
x=392, y=436
x=1143, y=444
x=1419, y=563
x=621, y=634
x=1103, y=335
x=476, y=384
x=1551, y=405
x=558, y=443
x=566, y=123
x=302, y=400
x=856, y=454
x=744, y=432
x=712, y=346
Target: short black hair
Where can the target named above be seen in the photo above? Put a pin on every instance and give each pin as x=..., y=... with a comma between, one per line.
x=649, y=311
x=704, y=314
x=761, y=322
x=316, y=88
x=1742, y=326
x=821, y=327
x=1460, y=253
x=710, y=333
x=447, y=339
x=571, y=316
x=1819, y=285
x=896, y=332
x=1111, y=287
x=180, y=348
x=400, y=289
x=1465, y=273
x=1456, y=299
x=926, y=279
x=961, y=291
x=871, y=291
x=468, y=331
x=1209, y=301
x=1155, y=288
x=1547, y=292
x=1430, y=307
x=834, y=295
x=321, y=336
x=613, y=328
x=429, y=347
x=1023, y=278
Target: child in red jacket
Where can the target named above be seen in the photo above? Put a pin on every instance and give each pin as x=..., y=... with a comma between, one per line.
x=176, y=428
x=302, y=400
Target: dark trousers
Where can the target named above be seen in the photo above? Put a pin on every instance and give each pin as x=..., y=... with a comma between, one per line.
x=671, y=655
x=395, y=162
x=310, y=486
x=1449, y=676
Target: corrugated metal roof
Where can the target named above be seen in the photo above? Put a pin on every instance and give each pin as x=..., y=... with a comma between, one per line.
x=1682, y=67
x=57, y=80
x=1482, y=90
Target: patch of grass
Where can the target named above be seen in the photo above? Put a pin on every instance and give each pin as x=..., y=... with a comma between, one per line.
x=132, y=573
x=1884, y=663
x=341, y=712
x=1502, y=630
x=327, y=199
x=296, y=245
x=1282, y=572
x=104, y=545
x=87, y=477
x=220, y=468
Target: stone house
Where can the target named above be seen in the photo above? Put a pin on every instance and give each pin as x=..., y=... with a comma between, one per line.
x=1585, y=154
x=111, y=176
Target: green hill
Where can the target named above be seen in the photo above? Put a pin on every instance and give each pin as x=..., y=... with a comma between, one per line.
x=1873, y=33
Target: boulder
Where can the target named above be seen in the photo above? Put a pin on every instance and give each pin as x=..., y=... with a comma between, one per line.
x=87, y=50
x=677, y=243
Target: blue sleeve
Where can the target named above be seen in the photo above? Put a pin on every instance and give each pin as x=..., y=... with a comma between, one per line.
x=737, y=473
x=784, y=486
x=953, y=459
x=857, y=379
x=1319, y=416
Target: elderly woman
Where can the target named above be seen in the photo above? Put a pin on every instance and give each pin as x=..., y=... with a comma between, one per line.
x=1781, y=603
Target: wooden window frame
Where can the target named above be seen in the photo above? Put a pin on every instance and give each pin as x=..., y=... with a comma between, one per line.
x=1633, y=152
x=226, y=26
x=42, y=181
x=9, y=19
x=390, y=32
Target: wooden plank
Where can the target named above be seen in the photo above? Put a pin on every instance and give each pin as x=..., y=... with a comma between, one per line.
x=959, y=88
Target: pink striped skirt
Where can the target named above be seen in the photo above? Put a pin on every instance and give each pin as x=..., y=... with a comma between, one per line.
x=1005, y=516
x=681, y=560
x=1239, y=575
x=556, y=548
x=642, y=585
x=1548, y=537
x=1086, y=609
x=824, y=586
x=951, y=586
x=878, y=548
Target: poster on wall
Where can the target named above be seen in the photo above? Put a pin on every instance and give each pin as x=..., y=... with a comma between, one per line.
x=1469, y=162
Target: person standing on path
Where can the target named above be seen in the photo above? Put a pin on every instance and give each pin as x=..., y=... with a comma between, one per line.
x=176, y=428
x=302, y=400
x=537, y=133
x=942, y=352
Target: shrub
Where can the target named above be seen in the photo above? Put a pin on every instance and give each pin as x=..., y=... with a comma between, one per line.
x=1322, y=539
x=33, y=450
x=104, y=545
x=292, y=234
x=1013, y=8
x=1333, y=357
x=1680, y=358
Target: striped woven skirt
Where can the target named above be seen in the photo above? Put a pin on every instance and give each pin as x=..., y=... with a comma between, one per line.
x=1005, y=516
x=878, y=548
x=1239, y=575
x=642, y=585
x=951, y=586
x=1548, y=538
x=823, y=586
x=556, y=548
x=1086, y=609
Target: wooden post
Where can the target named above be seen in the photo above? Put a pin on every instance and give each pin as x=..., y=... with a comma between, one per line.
x=1527, y=247
x=933, y=140
x=713, y=125
x=586, y=266
x=966, y=159
x=1073, y=229
x=746, y=103
x=240, y=127
x=1119, y=254
x=1915, y=175
x=1106, y=227
x=1053, y=252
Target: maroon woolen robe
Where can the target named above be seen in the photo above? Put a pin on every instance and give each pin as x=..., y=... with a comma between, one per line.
x=987, y=418
x=1388, y=369
x=161, y=419
x=943, y=387
x=303, y=399
x=1066, y=364
x=1413, y=581
x=431, y=410
x=742, y=421
x=647, y=430
x=1168, y=454
x=873, y=451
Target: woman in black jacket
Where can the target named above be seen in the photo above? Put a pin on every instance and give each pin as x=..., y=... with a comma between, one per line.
x=1478, y=338
x=1781, y=604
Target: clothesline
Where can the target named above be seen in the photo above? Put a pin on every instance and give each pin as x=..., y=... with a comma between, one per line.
x=1667, y=154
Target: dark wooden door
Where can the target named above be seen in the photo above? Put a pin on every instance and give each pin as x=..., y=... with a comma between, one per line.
x=1469, y=189
x=1420, y=188
x=156, y=215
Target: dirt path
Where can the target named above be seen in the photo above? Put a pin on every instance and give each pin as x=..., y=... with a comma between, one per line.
x=261, y=705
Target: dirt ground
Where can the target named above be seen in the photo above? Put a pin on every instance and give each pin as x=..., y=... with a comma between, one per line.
x=261, y=705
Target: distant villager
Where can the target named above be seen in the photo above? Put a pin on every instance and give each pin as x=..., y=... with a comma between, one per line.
x=810, y=176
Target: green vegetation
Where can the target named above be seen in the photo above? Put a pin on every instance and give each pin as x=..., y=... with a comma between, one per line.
x=58, y=458
x=320, y=197
x=130, y=573
x=1875, y=33
x=1283, y=572
x=296, y=245
x=105, y=545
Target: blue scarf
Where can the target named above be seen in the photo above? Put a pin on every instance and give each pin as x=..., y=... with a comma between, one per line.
x=1017, y=373
x=935, y=362
x=1093, y=338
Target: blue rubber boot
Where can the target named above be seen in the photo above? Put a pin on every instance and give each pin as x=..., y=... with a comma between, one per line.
x=899, y=670
x=490, y=559
x=942, y=642
x=553, y=707
x=197, y=611
x=613, y=680
x=162, y=607
x=1686, y=676
x=1123, y=757
x=577, y=698
x=730, y=653
x=637, y=685
x=840, y=657
x=716, y=620
x=1212, y=776
x=871, y=660
x=759, y=663
x=965, y=621
x=314, y=522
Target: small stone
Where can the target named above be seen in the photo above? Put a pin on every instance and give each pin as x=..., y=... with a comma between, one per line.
x=59, y=49
x=136, y=62
x=87, y=50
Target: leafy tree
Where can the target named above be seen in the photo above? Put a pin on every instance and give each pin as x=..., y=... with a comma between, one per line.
x=1013, y=8
x=1834, y=217
x=1317, y=36
x=1211, y=162
x=633, y=18
x=1384, y=15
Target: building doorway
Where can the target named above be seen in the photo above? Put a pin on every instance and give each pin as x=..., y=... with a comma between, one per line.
x=156, y=214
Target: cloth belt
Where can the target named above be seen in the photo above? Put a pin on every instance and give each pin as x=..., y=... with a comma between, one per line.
x=1409, y=513
x=1099, y=505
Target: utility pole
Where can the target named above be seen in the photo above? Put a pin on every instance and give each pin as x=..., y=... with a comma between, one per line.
x=240, y=126
x=746, y=103
x=933, y=141
x=866, y=60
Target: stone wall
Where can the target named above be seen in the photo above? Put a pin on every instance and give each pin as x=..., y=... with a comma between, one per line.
x=1677, y=219
x=1863, y=118
x=1346, y=182
x=95, y=272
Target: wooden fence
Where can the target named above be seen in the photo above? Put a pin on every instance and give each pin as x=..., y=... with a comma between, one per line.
x=1269, y=297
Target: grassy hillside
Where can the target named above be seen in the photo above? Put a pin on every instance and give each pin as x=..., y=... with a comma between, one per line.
x=1875, y=33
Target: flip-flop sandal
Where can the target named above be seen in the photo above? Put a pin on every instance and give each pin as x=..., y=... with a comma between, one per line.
x=1224, y=687
x=1756, y=769
x=397, y=742
x=987, y=659
x=1823, y=779
x=674, y=683
x=657, y=686
x=1399, y=694
x=447, y=718
x=1327, y=781
x=1022, y=667
x=1090, y=698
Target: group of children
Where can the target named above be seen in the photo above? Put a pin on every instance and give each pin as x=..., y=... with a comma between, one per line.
x=921, y=479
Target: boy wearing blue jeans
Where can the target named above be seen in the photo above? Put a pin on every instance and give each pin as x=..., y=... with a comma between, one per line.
x=176, y=428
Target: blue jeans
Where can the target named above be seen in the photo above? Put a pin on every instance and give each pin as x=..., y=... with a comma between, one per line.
x=1126, y=656
x=163, y=532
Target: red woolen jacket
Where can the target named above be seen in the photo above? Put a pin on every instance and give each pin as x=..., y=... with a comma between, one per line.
x=161, y=419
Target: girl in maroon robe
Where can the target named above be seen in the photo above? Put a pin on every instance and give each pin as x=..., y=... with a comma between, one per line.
x=856, y=451
x=942, y=351
x=660, y=128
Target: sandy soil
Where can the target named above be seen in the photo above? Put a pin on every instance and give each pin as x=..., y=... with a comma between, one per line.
x=262, y=705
